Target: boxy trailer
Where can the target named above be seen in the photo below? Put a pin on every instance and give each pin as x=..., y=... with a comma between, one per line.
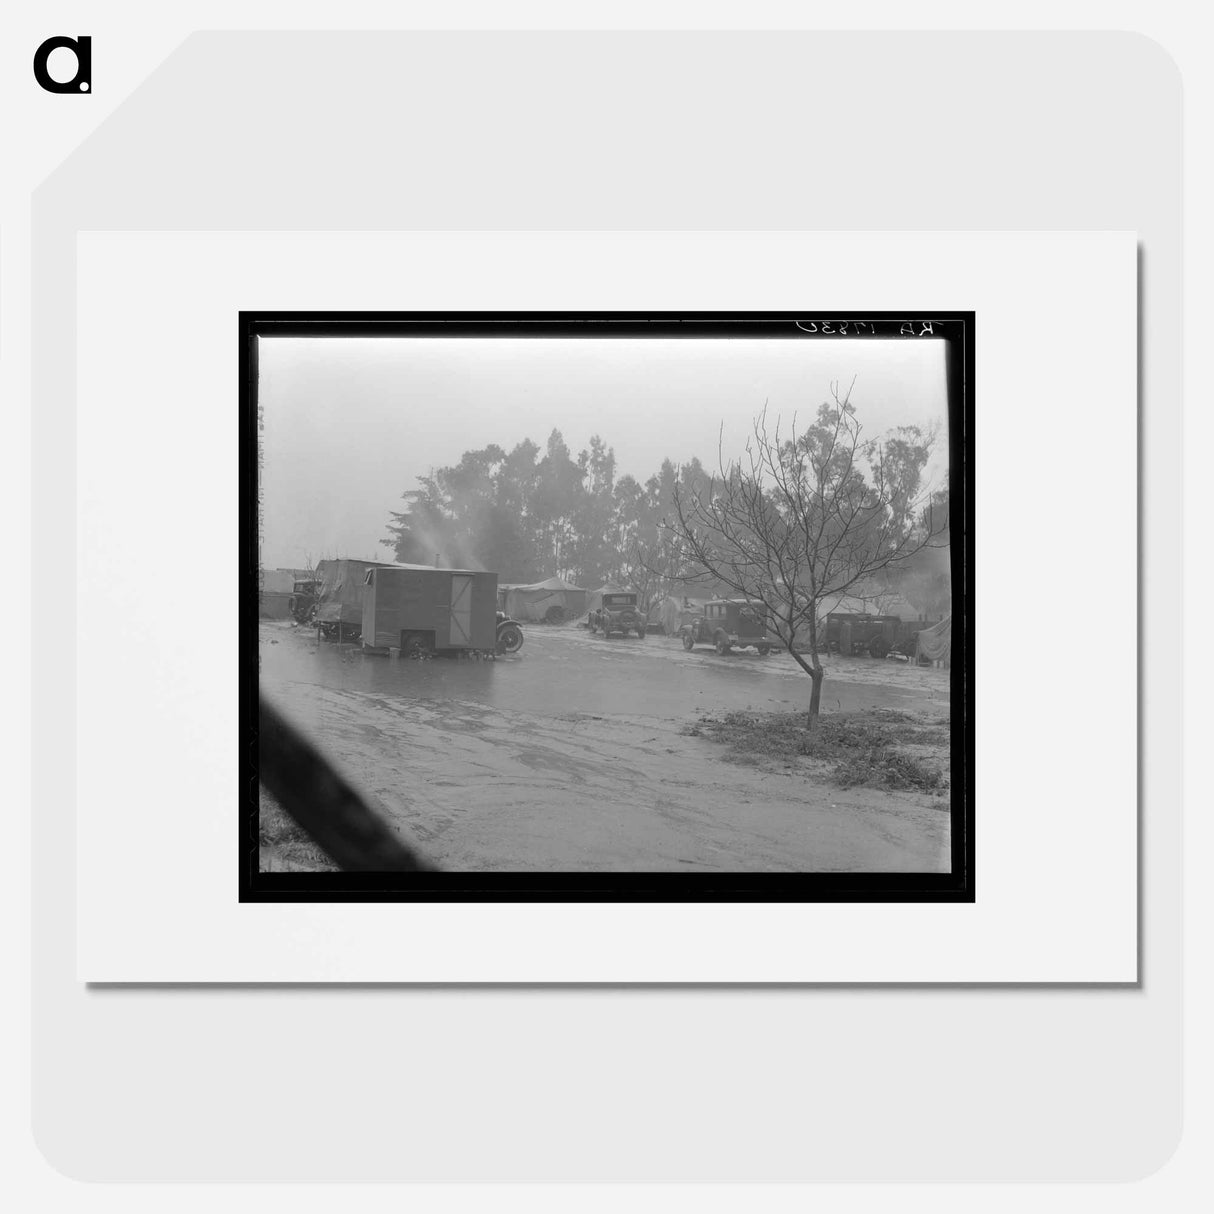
x=423, y=611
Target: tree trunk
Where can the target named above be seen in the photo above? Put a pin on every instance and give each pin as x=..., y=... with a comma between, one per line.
x=816, y=672
x=815, y=696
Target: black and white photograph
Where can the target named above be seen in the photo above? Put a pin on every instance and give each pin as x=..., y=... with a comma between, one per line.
x=616, y=606
x=608, y=604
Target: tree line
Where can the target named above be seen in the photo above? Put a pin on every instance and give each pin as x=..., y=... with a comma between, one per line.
x=531, y=513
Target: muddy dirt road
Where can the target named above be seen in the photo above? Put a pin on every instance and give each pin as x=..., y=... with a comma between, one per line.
x=571, y=756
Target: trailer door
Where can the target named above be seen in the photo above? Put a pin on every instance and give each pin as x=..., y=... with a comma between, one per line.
x=461, y=611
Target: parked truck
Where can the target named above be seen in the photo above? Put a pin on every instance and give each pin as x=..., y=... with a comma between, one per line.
x=303, y=599
x=850, y=633
x=422, y=611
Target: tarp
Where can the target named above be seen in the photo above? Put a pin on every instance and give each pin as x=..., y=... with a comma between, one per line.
x=341, y=590
x=552, y=600
x=936, y=643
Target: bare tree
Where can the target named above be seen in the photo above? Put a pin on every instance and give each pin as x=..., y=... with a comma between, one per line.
x=805, y=518
x=650, y=566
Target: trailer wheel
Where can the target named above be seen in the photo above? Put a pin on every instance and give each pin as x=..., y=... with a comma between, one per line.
x=722, y=645
x=764, y=650
x=641, y=632
x=688, y=640
x=878, y=647
x=554, y=615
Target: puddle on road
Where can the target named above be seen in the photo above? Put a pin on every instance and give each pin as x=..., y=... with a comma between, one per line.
x=559, y=675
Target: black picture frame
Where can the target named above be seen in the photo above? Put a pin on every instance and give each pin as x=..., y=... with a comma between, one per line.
x=955, y=328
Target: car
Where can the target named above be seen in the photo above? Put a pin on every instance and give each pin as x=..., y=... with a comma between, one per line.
x=726, y=623
x=618, y=613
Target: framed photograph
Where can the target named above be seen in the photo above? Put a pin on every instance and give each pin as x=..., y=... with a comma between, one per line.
x=340, y=765
x=607, y=606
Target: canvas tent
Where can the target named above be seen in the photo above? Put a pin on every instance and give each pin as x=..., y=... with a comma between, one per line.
x=672, y=612
x=550, y=601
x=936, y=643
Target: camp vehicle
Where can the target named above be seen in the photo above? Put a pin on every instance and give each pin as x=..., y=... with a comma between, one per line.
x=423, y=611
x=618, y=613
x=877, y=635
x=594, y=598
x=726, y=623
x=303, y=600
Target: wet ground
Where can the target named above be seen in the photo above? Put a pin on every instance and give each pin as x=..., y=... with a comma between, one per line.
x=571, y=668
x=570, y=755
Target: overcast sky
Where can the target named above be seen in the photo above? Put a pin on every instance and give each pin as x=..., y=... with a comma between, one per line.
x=350, y=423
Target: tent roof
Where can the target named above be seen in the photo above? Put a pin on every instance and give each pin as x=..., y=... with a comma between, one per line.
x=431, y=568
x=353, y=560
x=553, y=583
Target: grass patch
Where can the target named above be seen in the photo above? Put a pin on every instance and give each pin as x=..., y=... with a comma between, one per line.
x=284, y=844
x=878, y=748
